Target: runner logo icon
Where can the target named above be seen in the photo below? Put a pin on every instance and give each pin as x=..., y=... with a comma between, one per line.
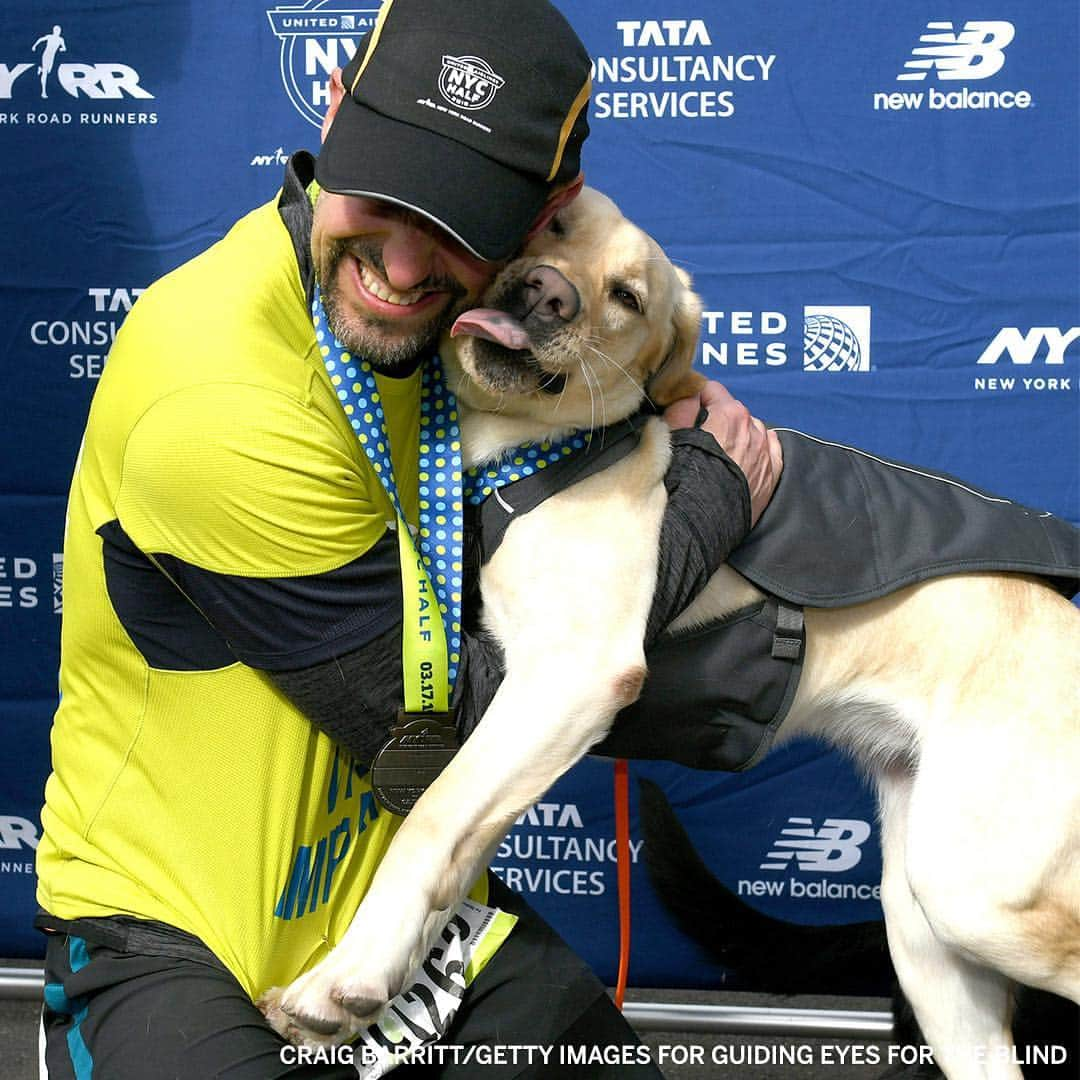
x=976, y=52
x=832, y=848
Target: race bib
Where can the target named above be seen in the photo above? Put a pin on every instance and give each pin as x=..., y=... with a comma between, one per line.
x=419, y=1016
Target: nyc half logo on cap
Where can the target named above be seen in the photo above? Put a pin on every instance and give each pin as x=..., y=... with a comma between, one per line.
x=468, y=82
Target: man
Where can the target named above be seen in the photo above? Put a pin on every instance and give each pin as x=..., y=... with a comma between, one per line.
x=232, y=644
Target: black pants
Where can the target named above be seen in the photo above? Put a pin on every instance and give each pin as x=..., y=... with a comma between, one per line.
x=127, y=1001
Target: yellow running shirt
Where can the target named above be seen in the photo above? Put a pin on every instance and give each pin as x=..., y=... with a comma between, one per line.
x=185, y=787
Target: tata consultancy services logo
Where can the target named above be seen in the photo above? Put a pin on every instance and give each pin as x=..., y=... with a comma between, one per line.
x=468, y=82
x=316, y=37
x=834, y=847
x=836, y=339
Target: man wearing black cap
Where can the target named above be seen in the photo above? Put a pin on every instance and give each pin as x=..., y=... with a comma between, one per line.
x=232, y=640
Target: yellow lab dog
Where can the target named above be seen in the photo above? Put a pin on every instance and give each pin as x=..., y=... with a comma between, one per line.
x=958, y=695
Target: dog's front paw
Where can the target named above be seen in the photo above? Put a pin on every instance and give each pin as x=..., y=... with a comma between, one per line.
x=269, y=1004
x=329, y=1004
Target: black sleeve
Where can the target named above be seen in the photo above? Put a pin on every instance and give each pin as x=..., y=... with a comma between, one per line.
x=707, y=517
x=355, y=698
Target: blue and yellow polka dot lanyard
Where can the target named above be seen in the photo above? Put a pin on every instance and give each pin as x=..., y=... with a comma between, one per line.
x=430, y=567
x=483, y=480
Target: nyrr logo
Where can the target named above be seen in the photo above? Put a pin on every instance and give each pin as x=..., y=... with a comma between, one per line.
x=316, y=37
x=832, y=848
x=977, y=52
x=468, y=82
x=836, y=339
x=76, y=79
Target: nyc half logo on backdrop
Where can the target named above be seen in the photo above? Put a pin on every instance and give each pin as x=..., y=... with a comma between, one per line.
x=316, y=37
x=948, y=66
x=51, y=81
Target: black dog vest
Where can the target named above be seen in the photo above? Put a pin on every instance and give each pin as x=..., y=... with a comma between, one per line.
x=843, y=527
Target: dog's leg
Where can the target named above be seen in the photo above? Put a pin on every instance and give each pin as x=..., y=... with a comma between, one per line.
x=964, y=1009
x=985, y=701
x=571, y=618
x=511, y=759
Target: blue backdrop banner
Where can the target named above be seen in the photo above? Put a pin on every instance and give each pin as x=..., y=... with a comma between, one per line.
x=879, y=208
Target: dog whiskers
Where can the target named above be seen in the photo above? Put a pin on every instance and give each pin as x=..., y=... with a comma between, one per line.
x=587, y=371
x=614, y=363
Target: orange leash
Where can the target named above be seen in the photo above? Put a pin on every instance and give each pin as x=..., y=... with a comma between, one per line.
x=622, y=849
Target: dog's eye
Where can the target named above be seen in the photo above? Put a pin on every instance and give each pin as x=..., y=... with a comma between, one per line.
x=556, y=227
x=627, y=297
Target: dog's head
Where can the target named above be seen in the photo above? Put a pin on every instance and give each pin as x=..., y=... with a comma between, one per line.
x=586, y=322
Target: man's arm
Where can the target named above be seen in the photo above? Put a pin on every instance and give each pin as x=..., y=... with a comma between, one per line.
x=745, y=439
x=725, y=466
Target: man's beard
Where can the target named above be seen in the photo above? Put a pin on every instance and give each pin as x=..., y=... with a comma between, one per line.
x=381, y=341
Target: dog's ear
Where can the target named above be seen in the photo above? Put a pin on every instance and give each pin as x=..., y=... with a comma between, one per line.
x=675, y=378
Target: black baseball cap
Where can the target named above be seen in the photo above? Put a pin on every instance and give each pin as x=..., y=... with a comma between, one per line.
x=466, y=111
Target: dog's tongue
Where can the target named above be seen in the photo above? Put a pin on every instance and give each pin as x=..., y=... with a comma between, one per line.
x=493, y=325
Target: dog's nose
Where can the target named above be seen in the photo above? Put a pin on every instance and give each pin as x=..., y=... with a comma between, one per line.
x=549, y=295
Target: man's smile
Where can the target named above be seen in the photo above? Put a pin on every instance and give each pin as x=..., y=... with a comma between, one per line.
x=377, y=294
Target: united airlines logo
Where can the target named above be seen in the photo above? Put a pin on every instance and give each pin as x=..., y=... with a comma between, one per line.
x=836, y=339
x=976, y=52
x=468, y=82
x=316, y=37
x=836, y=846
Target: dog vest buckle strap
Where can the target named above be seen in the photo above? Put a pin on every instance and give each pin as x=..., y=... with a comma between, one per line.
x=420, y=746
x=790, y=632
x=490, y=520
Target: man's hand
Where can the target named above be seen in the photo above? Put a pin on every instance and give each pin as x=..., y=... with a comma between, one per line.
x=744, y=439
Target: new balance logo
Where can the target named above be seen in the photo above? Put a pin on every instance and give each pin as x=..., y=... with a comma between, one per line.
x=976, y=52
x=832, y=848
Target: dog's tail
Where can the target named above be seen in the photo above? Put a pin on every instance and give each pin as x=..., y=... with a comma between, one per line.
x=768, y=954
